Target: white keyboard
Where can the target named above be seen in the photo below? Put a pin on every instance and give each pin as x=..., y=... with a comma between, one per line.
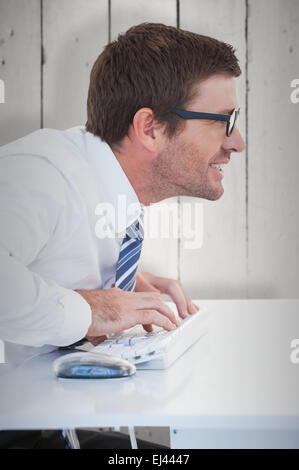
x=159, y=349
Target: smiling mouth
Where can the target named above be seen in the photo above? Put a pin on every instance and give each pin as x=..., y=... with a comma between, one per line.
x=219, y=166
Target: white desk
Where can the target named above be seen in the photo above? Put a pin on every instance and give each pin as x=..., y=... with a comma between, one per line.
x=236, y=387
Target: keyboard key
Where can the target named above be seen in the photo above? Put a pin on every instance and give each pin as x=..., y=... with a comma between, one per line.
x=137, y=339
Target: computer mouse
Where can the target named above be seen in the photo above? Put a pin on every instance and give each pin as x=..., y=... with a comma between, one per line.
x=88, y=365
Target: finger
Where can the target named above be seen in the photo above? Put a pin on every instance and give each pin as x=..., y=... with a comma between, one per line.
x=154, y=301
x=175, y=290
x=145, y=286
x=95, y=340
x=156, y=318
x=164, y=285
x=192, y=307
x=148, y=328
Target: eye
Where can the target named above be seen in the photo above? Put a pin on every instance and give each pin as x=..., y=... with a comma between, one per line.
x=220, y=123
x=213, y=123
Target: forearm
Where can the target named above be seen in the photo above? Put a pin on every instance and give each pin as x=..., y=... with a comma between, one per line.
x=36, y=312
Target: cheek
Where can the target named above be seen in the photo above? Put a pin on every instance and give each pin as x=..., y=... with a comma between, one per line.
x=206, y=152
x=207, y=140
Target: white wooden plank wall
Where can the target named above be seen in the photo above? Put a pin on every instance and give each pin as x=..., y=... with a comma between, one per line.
x=74, y=33
x=250, y=246
x=20, y=43
x=218, y=268
x=273, y=163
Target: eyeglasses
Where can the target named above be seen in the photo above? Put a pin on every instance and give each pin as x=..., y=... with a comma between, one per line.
x=230, y=118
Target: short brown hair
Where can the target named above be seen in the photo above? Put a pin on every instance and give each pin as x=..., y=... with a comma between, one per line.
x=151, y=65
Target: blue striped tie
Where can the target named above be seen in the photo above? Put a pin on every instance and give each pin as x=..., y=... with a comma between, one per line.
x=129, y=255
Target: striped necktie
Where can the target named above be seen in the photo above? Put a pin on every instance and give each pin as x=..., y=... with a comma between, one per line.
x=129, y=255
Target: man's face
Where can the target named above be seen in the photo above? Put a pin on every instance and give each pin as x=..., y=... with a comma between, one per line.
x=187, y=157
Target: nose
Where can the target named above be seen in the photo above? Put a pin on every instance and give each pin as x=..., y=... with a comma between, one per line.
x=235, y=142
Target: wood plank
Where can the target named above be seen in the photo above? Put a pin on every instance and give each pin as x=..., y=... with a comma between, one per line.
x=273, y=149
x=74, y=34
x=19, y=68
x=125, y=14
x=218, y=268
x=159, y=255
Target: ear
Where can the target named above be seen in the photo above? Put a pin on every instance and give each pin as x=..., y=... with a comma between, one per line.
x=147, y=130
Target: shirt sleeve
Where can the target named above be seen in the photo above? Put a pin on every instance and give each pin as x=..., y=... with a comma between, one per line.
x=34, y=311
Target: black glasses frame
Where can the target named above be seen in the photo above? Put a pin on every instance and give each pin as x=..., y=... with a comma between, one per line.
x=230, y=118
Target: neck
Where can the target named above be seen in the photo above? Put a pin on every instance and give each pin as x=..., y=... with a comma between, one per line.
x=145, y=180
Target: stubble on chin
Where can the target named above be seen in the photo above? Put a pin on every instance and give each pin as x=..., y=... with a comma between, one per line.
x=176, y=172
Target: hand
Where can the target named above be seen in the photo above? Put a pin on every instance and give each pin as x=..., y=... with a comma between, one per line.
x=114, y=310
x=148, y=282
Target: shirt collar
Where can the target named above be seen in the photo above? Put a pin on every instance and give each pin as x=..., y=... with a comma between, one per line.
x=113, y=182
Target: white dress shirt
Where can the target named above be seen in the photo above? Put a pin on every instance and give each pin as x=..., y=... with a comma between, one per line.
x=54, y=186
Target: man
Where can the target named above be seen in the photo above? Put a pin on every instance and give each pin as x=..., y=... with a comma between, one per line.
x=60, y=281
